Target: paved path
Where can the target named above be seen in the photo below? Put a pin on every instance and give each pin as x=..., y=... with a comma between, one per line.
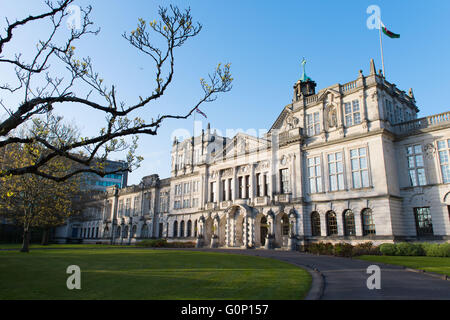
x=345, y=278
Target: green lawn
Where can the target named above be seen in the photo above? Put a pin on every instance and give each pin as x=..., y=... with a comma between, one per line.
x=148, y=274
x=432, y=264
x=18, y=246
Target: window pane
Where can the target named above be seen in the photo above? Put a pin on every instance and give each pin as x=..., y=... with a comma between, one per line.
x=365, y=178
x=441, y=145
x=356, y=180
x=355, y=164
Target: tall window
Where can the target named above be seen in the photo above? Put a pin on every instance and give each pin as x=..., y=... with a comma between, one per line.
x=443, y=147
x=230, y=181
x=332, y=228
x=349, y=223
x=284, y=181
x=241, y=188
x=424, y=225
x=189, y=228
x=127, y=207
x=313, y=124
x=182, y=229
x=352, y=113
x=224, y=190
x=315, y=175
x=360, y=171
x=259, y=185
x=266, y=185
x=315, y=224
x=247, y=187
x=136, y=206
x=336, y=171
x=120, y=208
x=367, y=222
x=399, y=115
x=389, y=111
x=175, y=229
x=416, y=170
x=213, y=192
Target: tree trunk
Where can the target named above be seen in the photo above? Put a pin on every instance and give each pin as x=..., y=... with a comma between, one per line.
x=26, y=241
x=44, y=240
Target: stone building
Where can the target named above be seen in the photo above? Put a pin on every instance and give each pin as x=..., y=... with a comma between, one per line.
x=351, y=162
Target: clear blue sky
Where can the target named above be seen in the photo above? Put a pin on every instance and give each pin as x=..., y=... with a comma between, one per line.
x=264, y=41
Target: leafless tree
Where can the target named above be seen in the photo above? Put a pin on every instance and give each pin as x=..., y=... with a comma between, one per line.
x=42, y=90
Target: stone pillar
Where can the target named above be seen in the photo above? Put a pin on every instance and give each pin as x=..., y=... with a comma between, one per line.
x=323, y=225
x=340, y=224
x=245, y=231
x=235, y=184
x=358, y=223
x=252, y=182
x=227, y=230
x=226, y=186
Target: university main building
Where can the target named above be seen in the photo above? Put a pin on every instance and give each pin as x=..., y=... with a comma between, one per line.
x=351, y=162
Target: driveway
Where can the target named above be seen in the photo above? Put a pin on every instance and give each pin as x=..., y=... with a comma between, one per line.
x=345, y=279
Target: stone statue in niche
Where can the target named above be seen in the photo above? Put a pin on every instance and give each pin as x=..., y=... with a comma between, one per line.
x=332, y=117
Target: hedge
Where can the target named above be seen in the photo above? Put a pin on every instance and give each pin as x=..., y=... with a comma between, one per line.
x=163, y=243
x=342, y=249
x=416, y=249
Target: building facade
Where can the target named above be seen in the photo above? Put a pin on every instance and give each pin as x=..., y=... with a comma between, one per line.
x=351, y=162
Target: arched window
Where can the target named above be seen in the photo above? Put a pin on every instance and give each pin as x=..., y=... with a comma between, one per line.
x=332, y=228
x=118, y=231
x=284, y=225
x=175, y=229
x=189, y=228
x=96, y=233
x=182, y=229
x=349, y=223
x=144, y=231
x=133, y=231
x=368, y=225
x=315, y=224
x=125, y=232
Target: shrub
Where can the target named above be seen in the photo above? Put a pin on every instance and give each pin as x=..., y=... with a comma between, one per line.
x=343, y=250
x=409, y=249
x=156, y=243
x=363, y=248
x=436, y=250
x=388, y=249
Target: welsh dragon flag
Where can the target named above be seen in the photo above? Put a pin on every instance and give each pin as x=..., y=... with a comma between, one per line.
x=390, y=34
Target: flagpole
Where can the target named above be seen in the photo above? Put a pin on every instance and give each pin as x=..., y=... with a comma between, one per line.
x=381, y=48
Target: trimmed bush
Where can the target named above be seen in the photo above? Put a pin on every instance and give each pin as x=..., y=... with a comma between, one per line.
x=437, y=250
x=162, y=243
x=409, y=249
x=343, y=250
x=363, y=248
x=388, y=249
x=155, y=243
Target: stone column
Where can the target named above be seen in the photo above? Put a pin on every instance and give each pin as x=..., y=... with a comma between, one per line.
x=340, y=224
x=227, y=230
x=323, y=225
x=358, y=223
x=252, y=183
x=245, y=231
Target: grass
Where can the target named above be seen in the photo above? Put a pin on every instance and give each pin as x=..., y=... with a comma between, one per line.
x=431, y=264
x=18, y=246
x=149, y=274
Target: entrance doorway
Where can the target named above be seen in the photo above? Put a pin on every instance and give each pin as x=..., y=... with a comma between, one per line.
x=263, y=230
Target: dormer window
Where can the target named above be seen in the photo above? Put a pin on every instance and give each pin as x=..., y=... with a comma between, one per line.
x=352, y=113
